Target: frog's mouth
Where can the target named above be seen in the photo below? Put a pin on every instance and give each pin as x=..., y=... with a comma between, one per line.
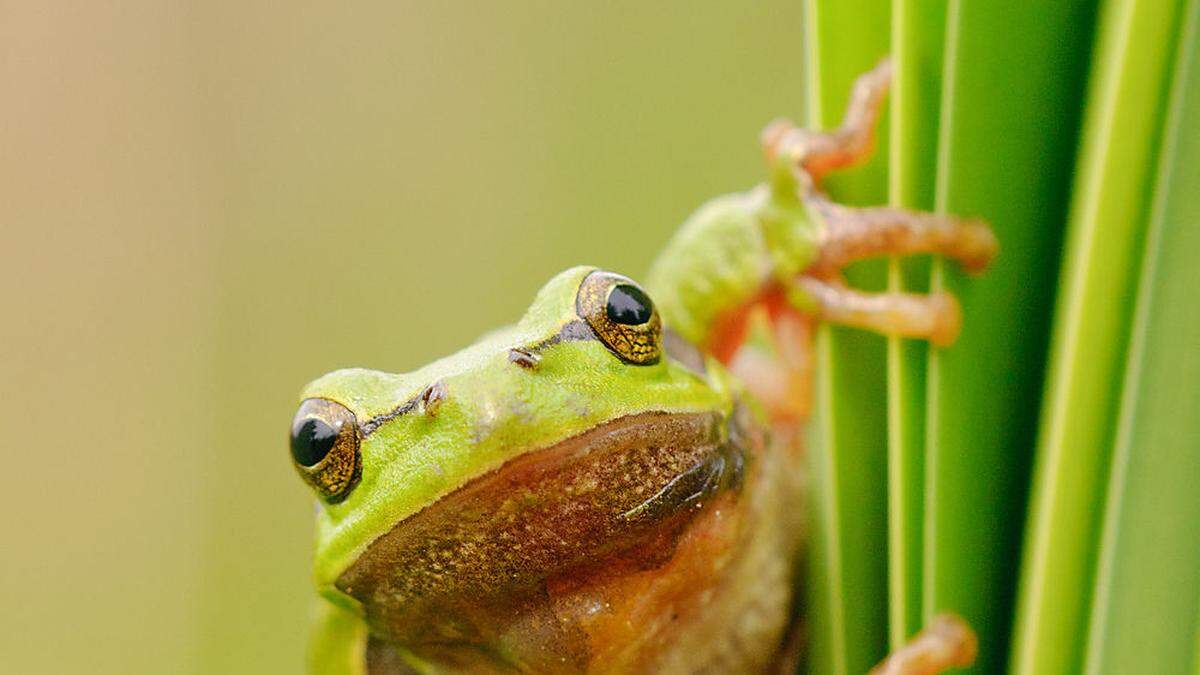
x=471, y=579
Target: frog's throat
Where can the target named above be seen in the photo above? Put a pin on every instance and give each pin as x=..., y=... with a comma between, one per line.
x=472, y=570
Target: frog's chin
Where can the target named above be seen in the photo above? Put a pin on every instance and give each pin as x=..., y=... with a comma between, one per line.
x=487, y=569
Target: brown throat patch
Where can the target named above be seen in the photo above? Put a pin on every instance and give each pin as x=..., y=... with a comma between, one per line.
x=464, y=583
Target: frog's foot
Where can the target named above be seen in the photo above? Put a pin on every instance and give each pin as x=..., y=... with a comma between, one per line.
x=944, y=644
x=818, y=153
x=851, y=234
x=935, y=317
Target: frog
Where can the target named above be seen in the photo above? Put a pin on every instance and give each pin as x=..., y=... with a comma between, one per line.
x=615, y=482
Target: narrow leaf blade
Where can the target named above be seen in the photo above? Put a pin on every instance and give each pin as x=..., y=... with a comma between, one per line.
x=1145, y=617
x=918, y=34
x=1011, y=99
x=1107, y=222
x=847, y=586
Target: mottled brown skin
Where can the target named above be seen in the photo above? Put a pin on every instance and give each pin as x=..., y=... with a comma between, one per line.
x=655, y=543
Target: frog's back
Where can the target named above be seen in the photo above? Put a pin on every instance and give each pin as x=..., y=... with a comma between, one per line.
x=717, y=257
x=726, y=256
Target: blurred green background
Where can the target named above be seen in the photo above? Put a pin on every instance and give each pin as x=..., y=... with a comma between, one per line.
x=204, y=205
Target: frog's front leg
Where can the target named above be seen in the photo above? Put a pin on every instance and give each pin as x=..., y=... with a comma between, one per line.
x=847, y=235
x=338, y=640
x=945, y=643
x=781, y=380
x=844, y=234
x=935, y=317
x=850, y=234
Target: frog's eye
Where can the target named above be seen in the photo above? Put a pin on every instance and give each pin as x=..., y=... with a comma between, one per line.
x=622, y=315
x=325, y=440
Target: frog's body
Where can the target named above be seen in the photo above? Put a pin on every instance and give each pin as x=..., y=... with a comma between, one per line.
x=555, y=579
x=588, y=492
x=606, y=509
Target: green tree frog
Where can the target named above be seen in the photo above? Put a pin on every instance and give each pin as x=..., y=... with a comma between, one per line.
x=614, y=483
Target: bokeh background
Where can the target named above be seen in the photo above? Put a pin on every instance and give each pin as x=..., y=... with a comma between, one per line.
x=203, y=205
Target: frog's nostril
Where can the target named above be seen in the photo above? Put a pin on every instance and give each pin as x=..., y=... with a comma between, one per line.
x=325, y=447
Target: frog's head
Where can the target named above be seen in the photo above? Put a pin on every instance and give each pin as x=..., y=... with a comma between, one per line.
x=451, y=496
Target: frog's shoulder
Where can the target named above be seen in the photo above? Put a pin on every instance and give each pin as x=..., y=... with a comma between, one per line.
x=716, y=258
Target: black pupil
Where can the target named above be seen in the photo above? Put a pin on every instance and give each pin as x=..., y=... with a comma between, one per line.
x=312, y=441
x=628, y=305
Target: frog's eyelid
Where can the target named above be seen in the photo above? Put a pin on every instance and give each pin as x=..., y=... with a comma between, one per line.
x=572, y=331
x=577, y=329
x=674, y=345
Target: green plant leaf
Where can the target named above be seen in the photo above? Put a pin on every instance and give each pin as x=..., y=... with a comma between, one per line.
x=1129, y=84
x=848, y=580
x=1011, y=99
x=1147, y=591
x=918, y=35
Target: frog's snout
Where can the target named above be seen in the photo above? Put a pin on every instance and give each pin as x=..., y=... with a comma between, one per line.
x=325, y=442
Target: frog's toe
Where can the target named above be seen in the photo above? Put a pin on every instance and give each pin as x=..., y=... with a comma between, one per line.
x=852, y=234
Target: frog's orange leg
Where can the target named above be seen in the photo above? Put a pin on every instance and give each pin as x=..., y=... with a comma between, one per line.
x=852, y=234
x=847, y=235
x=935, y=317
x=944, y=644
x=818, y=153
x=781, y=377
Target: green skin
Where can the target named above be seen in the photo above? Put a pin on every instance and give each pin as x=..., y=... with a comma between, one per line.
x=730, y=250
x=720, y=260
